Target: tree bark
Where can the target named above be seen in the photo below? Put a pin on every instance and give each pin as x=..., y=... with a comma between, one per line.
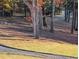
x=52, y=17
x=73, y=20
x=35, y=19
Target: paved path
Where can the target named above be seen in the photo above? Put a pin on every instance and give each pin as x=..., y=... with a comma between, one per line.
x=10, y=50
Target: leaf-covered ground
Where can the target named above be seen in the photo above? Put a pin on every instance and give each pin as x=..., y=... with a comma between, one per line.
x=46, y=46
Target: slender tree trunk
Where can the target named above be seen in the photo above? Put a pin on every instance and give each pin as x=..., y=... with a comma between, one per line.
x=44, y=18
x=40, y=18
x=76, y=20
x=52, y=18
x=68, y=16
x=25, y=9
x=65, y=14
x=35, y=19
x=73, y=20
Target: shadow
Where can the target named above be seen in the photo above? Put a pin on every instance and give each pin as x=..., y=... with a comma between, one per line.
x=21, y=29
x=20, y=26
x=56, y=35
x=6, y=35
x=61, y=36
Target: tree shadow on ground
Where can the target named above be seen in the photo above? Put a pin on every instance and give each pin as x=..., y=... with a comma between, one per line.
x=20, y=26
x=56, y=35
x=62, y=36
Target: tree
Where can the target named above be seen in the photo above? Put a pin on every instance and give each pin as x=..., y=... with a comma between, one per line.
x=1, y=7
x=7, y=7
x=68, y=9
x=52, y=18
x=35, y=18
x=75, y=19
x=58, y=4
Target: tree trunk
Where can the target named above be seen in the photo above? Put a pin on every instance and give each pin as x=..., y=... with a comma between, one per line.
x=52, y=18
x=35, y=19
x=68, y=16
x=65, y=14
x=73, y=20
x=76, y=20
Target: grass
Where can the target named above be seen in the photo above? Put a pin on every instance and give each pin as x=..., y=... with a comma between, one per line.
x=10, y=56
x=53, y=47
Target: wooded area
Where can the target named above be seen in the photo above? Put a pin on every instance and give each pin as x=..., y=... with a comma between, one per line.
x=36, y=8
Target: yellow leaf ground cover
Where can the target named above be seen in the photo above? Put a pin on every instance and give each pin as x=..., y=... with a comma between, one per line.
x=46, y=46
x=10, y=56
